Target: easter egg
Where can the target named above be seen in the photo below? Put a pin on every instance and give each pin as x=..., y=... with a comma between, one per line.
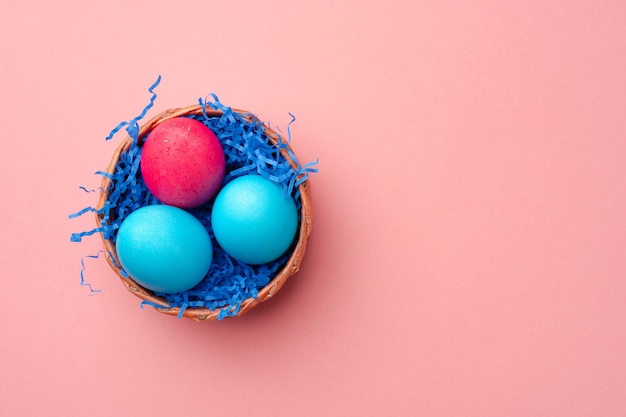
x=183, y=162
x=253, y=221
x=164, y=248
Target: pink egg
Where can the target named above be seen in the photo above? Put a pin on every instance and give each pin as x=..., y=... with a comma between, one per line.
x=183, y=162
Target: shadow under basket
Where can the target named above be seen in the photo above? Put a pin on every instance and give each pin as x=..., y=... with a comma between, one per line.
x=203, y=313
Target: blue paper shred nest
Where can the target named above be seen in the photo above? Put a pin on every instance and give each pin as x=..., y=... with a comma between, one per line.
x=248, y=150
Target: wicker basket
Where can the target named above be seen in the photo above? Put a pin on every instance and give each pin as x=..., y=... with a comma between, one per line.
x=195, y=313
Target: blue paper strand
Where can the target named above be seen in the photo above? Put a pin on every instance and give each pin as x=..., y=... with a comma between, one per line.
x=132, y=126
x=83, y=282
x=77, y=237
x=83, y=211
x=85, y=189
x=104, y=174
x=293, y=119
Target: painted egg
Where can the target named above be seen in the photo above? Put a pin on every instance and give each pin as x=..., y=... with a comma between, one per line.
x=164, y=248
x=183, y=162
x=253, y=221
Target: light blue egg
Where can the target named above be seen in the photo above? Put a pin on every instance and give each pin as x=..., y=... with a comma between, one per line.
x=253, y=221
x=164, y=248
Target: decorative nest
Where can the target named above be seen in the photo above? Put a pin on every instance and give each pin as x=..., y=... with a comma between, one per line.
x=200, y=311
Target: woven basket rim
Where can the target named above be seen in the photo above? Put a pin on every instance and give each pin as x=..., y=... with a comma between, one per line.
x=202, y=313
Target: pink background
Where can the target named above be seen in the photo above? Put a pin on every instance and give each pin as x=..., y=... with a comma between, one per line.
x=468, y=252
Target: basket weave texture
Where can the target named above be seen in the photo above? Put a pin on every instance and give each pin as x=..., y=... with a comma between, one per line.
x=201, y=313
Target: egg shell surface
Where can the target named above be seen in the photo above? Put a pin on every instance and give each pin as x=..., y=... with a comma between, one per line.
x=164, y=248
x=253, y=221
x=183, y=162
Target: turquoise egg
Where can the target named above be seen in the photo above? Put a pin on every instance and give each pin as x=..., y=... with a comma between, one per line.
x=164, y=248
x=253, y=221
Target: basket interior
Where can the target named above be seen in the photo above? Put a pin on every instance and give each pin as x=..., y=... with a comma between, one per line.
x=230, y=288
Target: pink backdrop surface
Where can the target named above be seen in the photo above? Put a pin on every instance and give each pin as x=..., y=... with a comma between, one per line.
x=468, y=255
